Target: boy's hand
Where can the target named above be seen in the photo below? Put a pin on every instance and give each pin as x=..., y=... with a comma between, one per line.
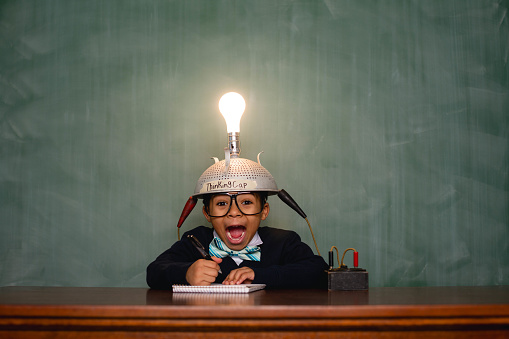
x=203, y=272
x=243, y=275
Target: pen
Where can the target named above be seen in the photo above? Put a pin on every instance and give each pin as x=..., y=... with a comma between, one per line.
x=200, y=248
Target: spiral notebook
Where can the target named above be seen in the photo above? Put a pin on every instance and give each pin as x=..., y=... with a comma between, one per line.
x=218, y=288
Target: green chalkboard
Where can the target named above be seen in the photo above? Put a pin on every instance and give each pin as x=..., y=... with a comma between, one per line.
x=386, y=120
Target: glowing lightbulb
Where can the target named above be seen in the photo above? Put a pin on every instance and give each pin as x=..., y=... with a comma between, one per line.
x=232, y=106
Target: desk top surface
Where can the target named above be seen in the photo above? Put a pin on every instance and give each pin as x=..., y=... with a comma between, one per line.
x=408, y=311
x=17, y=295
x=266, y=305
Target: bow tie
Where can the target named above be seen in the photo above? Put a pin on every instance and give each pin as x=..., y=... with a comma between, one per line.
x=218, y=248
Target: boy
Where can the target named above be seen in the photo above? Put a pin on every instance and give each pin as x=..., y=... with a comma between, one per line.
x=242, y=251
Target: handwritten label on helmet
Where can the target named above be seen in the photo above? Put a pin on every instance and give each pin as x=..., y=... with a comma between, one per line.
x=227, y=186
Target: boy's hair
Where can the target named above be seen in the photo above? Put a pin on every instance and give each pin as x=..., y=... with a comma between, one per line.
x=262, y=195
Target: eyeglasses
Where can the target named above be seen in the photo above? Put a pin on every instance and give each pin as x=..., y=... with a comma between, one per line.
x=247, y=204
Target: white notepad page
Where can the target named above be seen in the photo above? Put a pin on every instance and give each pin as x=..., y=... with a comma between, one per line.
x=218, y=288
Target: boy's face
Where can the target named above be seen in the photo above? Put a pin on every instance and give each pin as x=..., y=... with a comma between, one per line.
x=235, y=228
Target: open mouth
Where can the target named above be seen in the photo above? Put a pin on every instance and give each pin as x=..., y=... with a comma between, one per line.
x=236, y=234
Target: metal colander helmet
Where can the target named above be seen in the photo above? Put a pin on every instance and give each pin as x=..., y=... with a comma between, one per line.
x=235, y=175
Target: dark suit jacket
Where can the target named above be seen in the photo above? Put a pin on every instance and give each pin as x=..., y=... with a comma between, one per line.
x=286, y=262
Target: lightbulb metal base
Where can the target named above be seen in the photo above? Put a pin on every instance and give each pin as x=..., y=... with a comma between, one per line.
x=234, y=144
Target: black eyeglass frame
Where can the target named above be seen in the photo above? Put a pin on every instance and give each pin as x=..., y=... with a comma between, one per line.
x=233, y=196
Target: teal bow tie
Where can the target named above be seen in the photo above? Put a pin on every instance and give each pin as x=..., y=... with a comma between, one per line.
x=218, y=248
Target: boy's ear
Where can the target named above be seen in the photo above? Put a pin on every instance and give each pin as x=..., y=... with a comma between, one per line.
x=205, y=214
x=265, y=211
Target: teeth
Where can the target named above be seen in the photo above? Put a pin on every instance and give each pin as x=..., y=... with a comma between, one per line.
x=231, y=237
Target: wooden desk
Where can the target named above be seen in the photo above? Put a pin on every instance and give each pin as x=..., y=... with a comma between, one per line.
x=466, y=312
